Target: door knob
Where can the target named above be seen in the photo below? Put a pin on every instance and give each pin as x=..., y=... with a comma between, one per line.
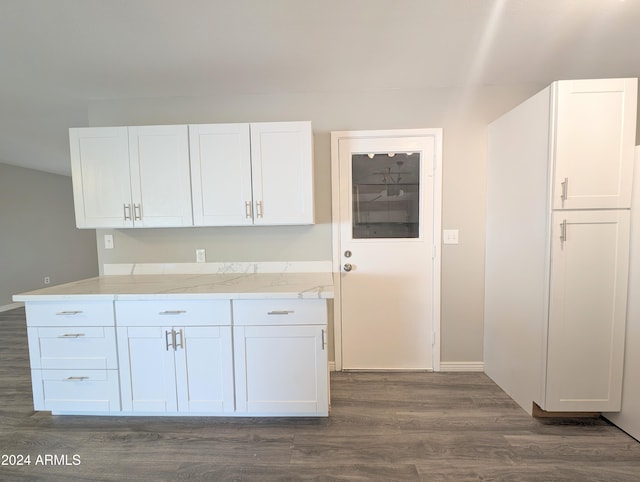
x=347, y=267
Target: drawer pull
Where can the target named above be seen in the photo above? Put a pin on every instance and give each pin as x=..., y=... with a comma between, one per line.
x=281, y=312
x=172, y=312
x=72, y=335
x=65, y=313
x=76, y=379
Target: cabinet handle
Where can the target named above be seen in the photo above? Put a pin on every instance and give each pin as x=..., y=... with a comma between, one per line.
x=166, y=339
x=72, y=335
x=563, y=233
x=181, y=345
x=76, y=379
x=280, y=312
x=565, y=186
x=248, y=211
x=259, y=209
x=137, y=212
x=127, y=211
x=172, y=312
x=68, y=313
x=323, y=342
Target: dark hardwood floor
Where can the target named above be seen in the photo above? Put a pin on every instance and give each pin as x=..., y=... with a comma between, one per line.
x=383, y=426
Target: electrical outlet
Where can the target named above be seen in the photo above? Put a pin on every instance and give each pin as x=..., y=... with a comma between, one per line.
x=108, y=241
x=47, y=280
x=201, y=256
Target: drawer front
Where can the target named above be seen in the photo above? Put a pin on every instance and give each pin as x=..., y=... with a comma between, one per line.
x=70, y=313
x=173, y=313
x=78, y=390
x=86, y=347
x=280, y=312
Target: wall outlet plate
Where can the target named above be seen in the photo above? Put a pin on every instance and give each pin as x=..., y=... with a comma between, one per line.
x=201, y=256
x=108, y=241
x=450, y=236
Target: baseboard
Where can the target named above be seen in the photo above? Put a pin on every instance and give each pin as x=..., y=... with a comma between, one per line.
x=462, y=366
x=11, y=306
x=332, y=366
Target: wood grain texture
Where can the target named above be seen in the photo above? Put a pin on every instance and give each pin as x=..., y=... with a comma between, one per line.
x=382, y=426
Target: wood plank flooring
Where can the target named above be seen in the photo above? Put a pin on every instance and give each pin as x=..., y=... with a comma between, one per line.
x=383, y=426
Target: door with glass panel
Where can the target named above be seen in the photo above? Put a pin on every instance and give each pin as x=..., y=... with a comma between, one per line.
x=388, y=210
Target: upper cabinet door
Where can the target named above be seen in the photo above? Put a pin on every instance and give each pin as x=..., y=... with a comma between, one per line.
x=100, y=171
x=282, y=172
x=160, y=177
x=595, y=129
x=221, y=174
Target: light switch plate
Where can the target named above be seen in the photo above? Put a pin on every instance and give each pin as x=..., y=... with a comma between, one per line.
x=108, y=241
x=450, y=236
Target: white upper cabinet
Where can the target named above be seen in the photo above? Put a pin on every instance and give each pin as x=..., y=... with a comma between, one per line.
x=221, y=174
x=101, y=180
x=282, y=172
x=202, y=175
x=131, y=176
x=594, y=133
x=160, y=179
x=244, y=174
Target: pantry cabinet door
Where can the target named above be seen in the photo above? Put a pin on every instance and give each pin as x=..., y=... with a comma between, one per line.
x=595, y=131
x=587, y=310
x=221, y=174
x=100, y=174
x=147, y=374
x=204, y=369
x=281, y=370
x=160, y=176
x=282, y=172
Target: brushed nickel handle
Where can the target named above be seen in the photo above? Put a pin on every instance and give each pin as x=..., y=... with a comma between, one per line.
x=248, y=209
x=76, y=379
x=166, y=339
x=565, y=186
x=181, y=345
x=280, y=312
x=323, y=342
x=347, y=267
x=126, y=208
x=72, y=335
x=137, y=212
x=68, y=313
x=172, y=312
x=563, y=233
x=259, y=209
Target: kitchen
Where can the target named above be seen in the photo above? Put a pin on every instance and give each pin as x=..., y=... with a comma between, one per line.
x=462, y=114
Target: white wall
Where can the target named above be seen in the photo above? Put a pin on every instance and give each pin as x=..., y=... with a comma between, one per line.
x=464, y=116
x=38, y=236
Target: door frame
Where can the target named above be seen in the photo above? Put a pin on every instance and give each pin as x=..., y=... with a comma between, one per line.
x=336, y=136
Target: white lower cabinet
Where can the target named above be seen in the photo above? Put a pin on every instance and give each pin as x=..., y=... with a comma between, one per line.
x=207, y=357
x=72, y=351
x=183, y=367
x=280, y=357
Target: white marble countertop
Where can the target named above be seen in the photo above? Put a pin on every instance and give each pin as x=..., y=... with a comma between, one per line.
x=190, y=286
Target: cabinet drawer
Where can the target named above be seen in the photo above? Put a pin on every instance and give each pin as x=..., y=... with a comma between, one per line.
x=173, y=313
x=76, y=390
x=69, y=313
x=280, y=312
x=87, y=347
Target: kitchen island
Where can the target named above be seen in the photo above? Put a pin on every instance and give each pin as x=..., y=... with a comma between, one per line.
x=218, y=344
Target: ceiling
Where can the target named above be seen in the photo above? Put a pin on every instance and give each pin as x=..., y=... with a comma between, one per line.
x=57, y=56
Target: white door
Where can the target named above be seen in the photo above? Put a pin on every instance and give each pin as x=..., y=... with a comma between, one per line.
x=100, y=171
x=388, y=209
x=587, y=310
x=204, y=369
x=595, y=130
x=281, y=370
x=282, y=172
x=160, y=176
x=221, y=174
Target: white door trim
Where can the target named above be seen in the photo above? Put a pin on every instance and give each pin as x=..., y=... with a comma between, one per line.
x=436, y=133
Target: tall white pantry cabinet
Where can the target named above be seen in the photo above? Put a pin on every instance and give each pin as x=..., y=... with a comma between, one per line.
x=559, y=184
